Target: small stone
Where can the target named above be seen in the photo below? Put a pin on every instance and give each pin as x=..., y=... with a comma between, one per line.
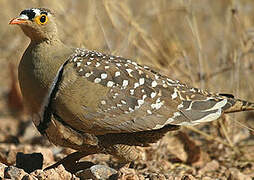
x=51, y=174
x=210, y=166
x=155, y=176
x=2, y=168
x=236, y=174
x=98, y=172
x=207, y=178
x=29, y=162
x=14, y=173
x=29, y=177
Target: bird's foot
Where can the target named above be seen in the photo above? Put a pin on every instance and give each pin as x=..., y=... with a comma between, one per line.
x=71, y=164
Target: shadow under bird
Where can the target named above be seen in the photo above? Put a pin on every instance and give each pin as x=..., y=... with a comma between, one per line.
x=98, y=103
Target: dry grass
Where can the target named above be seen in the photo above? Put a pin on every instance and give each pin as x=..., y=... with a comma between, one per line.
x=207, y=44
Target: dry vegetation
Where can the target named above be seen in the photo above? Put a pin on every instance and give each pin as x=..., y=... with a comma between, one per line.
x=204, y=43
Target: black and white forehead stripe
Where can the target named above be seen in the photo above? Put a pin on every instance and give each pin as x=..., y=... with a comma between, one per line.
x=32, y=13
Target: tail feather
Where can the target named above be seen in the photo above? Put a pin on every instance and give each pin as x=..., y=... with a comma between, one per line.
x=237, y=105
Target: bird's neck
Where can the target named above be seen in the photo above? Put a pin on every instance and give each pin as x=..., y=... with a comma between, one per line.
x=38, y=67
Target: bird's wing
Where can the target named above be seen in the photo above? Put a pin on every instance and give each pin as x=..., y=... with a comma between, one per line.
x=109, y=94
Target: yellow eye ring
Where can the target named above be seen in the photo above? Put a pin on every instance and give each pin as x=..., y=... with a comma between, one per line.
x=42, y=19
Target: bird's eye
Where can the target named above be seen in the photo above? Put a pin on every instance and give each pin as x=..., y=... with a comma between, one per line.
x=43, y=19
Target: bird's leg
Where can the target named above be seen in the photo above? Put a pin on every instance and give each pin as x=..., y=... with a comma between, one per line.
x=125, y=154
x=70, y=161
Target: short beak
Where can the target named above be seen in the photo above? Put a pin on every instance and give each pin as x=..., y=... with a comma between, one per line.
x=18, y=20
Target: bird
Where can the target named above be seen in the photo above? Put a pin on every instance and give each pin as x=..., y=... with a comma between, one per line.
x=96, y=103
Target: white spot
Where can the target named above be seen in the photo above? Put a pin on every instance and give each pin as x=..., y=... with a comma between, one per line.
x=91, y=58
x=97, y=80
x=136, y=85
x=153, y=94
x=106, y=67
x=134, y=63
x=158, y=126
x=174, y=95
x=149, y=111
x=80, y=70
x=164, y=85
x=111, y=57
x=119, y=105
x=125, y=83
x=36, y=11
x=129, y=61
x=118, y=64
x=104, y=75
x=180, y=106
x=103, y=102
x=88, y=63
x=129, y=71
x=140, y=102
x=123, y=101
x=97, y=64
x=75, y=59
x=117, y=73
x=170, y=81
x=88, y=74
x=78, y=64
x=23, y=16
x=144, y=96
x=157, y=105
x=132, y=92
x=154, y=84
x=145, y=67
x=192, y=90
x=110, y=83
x=130, y=109
x=141, y=81
x=156, y=76
x=140, y=72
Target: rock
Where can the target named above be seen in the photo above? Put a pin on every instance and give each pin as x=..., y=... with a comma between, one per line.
x=29, y=177
x=207, y=178
x=52, y=174
x=98, y=172
x=155, y=176
x=210, y=166
x=2, y=168
x=8, y=154
x=235, y=174
x=14, y=173
x=29, y=162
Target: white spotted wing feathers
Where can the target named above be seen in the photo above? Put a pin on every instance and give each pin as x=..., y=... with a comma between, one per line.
x=139, y=99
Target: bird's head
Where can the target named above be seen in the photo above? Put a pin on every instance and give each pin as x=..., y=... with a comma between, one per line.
x=37, y=23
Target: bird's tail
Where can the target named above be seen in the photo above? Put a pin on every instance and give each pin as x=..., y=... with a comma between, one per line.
x=237, y=105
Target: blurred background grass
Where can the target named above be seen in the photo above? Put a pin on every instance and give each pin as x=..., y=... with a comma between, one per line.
x=206, y=44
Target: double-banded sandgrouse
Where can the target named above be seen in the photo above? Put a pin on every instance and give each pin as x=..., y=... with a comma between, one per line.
x=99, y=103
